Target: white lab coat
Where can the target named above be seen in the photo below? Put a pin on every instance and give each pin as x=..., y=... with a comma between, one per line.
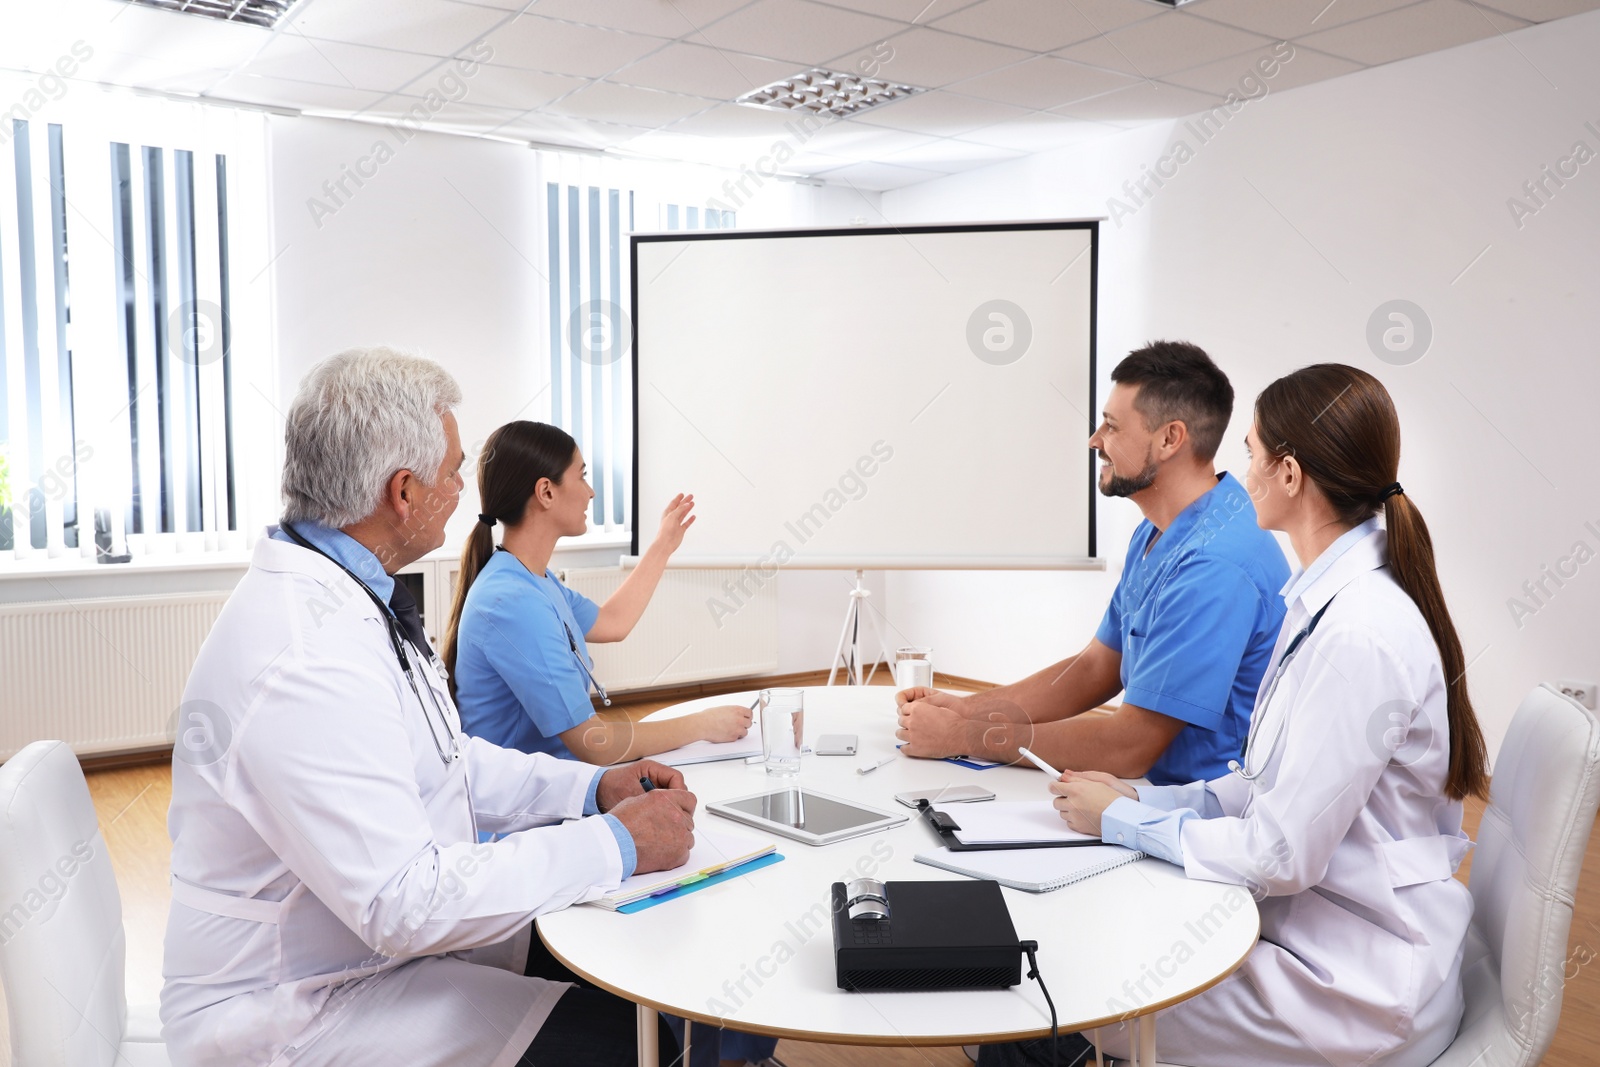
x=1349, y=836
x=332, y=904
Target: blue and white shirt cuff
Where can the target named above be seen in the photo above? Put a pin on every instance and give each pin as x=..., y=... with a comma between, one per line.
x=630, y=855
x=1152, y=831
x=591, y=806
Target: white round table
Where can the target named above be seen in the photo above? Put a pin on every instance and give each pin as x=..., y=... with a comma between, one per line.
x=755, y=953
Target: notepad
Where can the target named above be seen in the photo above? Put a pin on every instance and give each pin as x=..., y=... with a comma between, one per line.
x=714, y=853
x=712, y=751
x=1035, y=870
x=1006, y=822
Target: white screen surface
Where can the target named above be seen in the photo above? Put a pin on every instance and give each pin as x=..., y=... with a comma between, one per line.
x=916, y=398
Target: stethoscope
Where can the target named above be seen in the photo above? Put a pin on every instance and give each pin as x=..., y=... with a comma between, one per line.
x=572, y=641
x=398, y=640
x=1259, y=712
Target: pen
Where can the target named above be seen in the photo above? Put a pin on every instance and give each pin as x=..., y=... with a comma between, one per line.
x=645, y=783
x=868, y=768
x=1039, y=763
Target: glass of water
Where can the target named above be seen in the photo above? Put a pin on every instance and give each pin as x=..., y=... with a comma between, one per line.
x=913, y=666
x=783, y=716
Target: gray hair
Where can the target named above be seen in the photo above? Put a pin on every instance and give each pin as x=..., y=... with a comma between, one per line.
x=359, y=417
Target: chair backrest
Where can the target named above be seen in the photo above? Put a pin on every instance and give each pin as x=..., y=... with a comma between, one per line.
x=1524, y=878
x=61, y=940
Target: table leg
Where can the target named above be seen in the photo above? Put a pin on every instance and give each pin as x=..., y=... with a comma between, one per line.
x=1099, y=1057
x=1142, y=1042
x=649, y=1037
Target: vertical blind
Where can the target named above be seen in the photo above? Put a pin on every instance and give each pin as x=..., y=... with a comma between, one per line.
x=589, y=210
x=117, y=362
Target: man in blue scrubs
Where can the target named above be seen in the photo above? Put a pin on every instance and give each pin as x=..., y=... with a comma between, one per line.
x=1191, y=624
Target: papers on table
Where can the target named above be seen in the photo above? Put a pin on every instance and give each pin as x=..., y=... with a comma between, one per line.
x=714, y=852
x=1037, y=870
x=1005, y=822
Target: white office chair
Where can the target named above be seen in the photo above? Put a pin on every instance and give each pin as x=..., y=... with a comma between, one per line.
x=1531, y=846
x=61, y=941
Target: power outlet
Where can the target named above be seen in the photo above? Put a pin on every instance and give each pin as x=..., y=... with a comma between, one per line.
x=1582, y=692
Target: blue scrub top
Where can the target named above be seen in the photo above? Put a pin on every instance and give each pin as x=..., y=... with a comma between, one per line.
x=1195, y=620
x=517, y=682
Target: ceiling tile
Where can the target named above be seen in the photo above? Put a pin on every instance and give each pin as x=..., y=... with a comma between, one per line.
x=647, y=108
x=432, y=27
x=920, y=12
x=1170, y=42
x=186, y=40
x=796, y=30
x=927, y=58
x=1040, y=132
x=877, y=177
x=535, y=43
x=701, y=71
x=460, y=115
x=291, y=55
x=1541, y=10
x=736, y=120
x=658, y=17
x=941, y=113
x=1141, y=102
x=950, y=155
x=282, y=92
x=565, y=130
x=850, y=141
x=508, y=87
x=1285, y=20
x=1043, y=82
x=1243, y=74
x=1044, y=27
x=1426, y=27
x=146, y=72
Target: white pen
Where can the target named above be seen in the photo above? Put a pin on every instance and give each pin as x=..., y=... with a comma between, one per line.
x=1039, y=763
x=868, y=768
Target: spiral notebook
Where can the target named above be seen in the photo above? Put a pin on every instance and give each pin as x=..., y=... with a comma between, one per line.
x=1033, y=870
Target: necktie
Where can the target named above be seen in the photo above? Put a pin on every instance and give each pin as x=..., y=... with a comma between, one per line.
x=404, y=606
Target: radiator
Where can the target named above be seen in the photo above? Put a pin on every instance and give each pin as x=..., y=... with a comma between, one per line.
x=102, y=675
x=699, y=626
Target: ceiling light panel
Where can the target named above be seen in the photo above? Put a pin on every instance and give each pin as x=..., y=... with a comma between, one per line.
x=265, y=13
x=826, y=92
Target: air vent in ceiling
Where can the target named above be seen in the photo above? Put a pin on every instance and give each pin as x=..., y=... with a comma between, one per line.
x=250, y=12
x=825, y=92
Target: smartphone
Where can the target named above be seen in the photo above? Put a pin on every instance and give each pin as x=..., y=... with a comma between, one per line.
x=950, y=794
x=835, y=745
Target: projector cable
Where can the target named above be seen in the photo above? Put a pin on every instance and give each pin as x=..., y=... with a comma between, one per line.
x=1029, y=948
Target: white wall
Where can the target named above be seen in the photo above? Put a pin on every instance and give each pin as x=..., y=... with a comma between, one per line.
x=437, y=253
x=1273, y=245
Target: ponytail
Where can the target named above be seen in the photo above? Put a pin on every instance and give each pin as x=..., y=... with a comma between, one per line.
x=1340, y=425
x=479, y=547
x=515, y=458
x=1411, y=564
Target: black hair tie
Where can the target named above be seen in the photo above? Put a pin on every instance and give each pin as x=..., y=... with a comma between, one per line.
x=1392, y=489
x=487, y=520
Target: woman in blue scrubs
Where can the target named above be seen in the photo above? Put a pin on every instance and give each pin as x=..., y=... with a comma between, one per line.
x=517, y=645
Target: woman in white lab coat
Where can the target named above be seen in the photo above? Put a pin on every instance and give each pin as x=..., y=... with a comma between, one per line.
x=1343, y=816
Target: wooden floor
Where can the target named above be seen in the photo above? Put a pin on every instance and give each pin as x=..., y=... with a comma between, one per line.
x=132, y=805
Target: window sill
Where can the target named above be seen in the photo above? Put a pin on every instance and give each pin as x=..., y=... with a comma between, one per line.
x=80, y=566
x=237, y=559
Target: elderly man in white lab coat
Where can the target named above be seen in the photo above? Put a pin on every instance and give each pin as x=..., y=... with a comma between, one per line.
x=332, y=903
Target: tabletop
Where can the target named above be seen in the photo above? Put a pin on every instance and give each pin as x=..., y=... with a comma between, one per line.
x=755, y=953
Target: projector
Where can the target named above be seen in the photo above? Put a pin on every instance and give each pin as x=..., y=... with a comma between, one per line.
x=923, y=936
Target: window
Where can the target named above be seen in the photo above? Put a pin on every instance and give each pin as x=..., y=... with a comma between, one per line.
x=589, y=208
x=119, y=353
